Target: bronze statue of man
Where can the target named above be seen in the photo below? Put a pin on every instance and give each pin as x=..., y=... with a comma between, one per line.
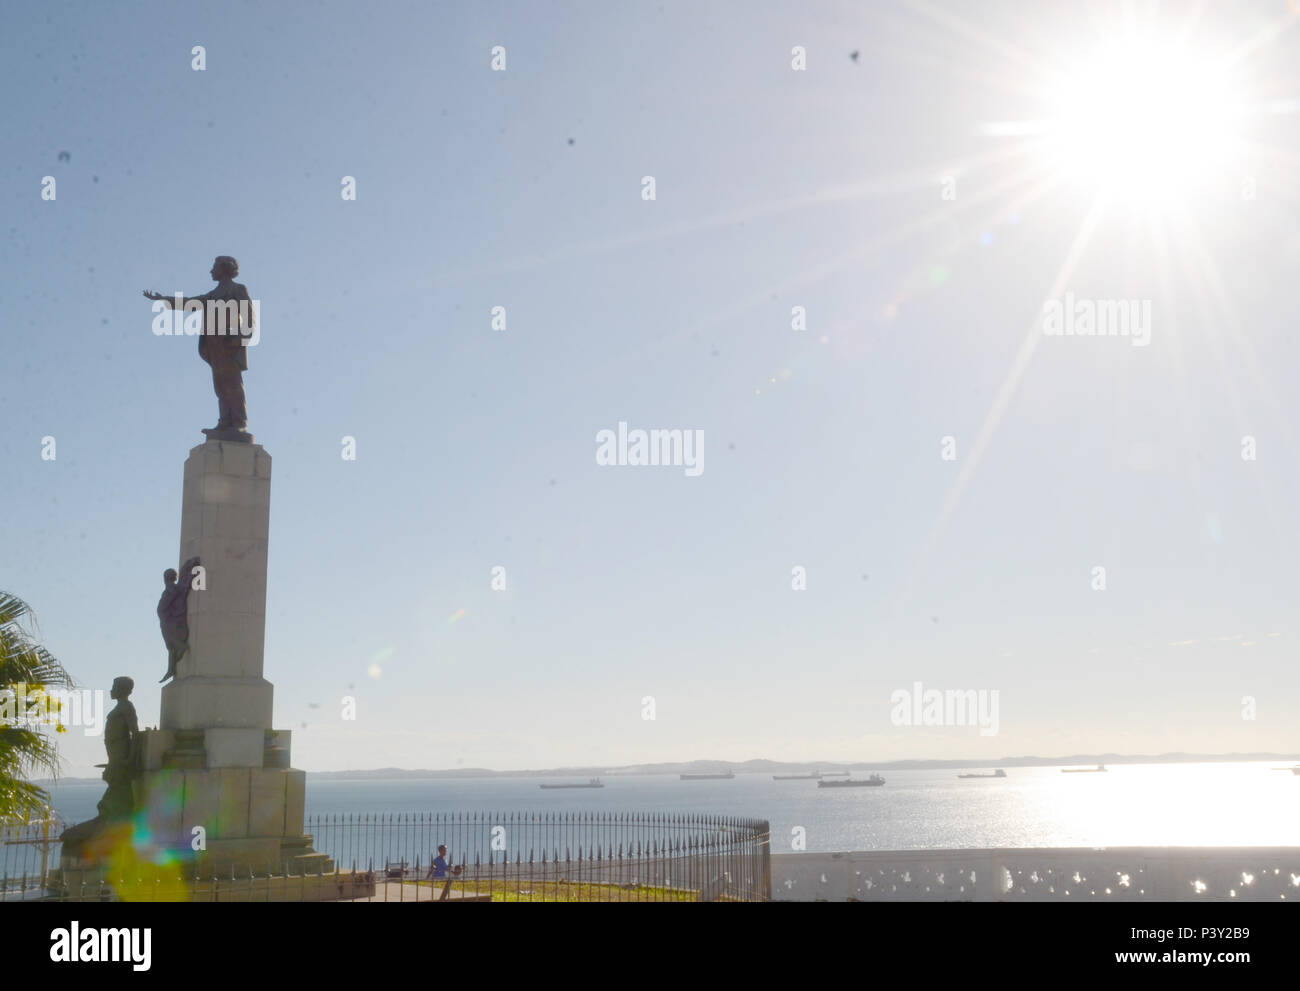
x=228, y=322
x=95, y=837
x=122, y=741
x=173, y=614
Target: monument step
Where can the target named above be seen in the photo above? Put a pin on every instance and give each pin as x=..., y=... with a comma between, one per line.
x=187, y=752
x=275, y=758
x=184, y=761
x=307, y=864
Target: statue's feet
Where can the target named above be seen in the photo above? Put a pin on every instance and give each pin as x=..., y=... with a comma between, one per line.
x=236, y=434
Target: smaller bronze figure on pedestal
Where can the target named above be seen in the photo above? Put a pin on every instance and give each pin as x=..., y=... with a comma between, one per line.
x=122, y=741
x=173, y=614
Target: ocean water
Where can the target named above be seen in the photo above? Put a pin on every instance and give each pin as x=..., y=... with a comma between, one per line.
x=1219, y=804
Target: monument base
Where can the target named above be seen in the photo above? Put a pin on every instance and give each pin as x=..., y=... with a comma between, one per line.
x=220, y=820
x=99, y=884
x=229, y=822
x=137, y=858
x=218, y=802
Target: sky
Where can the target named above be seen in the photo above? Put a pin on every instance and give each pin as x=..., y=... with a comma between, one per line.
x=948, y=476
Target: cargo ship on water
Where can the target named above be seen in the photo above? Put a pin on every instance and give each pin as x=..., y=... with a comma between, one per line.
x=999, y=773
x=708, y=777
x=872, y=782
x=593, y=783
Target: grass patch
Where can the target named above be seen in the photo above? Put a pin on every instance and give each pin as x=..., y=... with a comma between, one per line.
x=563, y=891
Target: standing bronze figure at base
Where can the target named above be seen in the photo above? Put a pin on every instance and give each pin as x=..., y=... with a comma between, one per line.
x=97, y=836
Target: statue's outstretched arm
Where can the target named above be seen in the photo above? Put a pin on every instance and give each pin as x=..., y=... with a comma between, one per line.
x=171, y=300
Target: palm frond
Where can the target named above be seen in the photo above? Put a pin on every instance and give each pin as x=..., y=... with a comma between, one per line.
x=22, y=801
x=25, y=751
x=15, y=610
x=22, y=659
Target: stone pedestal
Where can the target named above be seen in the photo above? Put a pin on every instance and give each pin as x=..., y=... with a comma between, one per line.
x=241, y=819
x=225, y=522
x=217, y=790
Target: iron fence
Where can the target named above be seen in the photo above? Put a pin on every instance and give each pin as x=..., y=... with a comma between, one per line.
x=29, y=851
x=545, y=856
x=506, y=856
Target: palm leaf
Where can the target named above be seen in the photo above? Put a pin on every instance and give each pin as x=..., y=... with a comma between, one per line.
x=24, y=751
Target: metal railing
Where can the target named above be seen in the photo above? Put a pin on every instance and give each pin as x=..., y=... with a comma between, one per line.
x=29, y=851
x=507, y=856
x=554, y=856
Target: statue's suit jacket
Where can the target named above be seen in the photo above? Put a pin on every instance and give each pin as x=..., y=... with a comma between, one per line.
x=215, y=348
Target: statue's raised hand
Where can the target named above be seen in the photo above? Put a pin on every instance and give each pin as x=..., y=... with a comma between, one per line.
x=150, y=294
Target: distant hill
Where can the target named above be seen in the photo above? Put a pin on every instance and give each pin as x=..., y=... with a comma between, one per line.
x=760, y=766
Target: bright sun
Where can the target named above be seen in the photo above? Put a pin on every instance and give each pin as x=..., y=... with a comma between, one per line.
x=1143, y=120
